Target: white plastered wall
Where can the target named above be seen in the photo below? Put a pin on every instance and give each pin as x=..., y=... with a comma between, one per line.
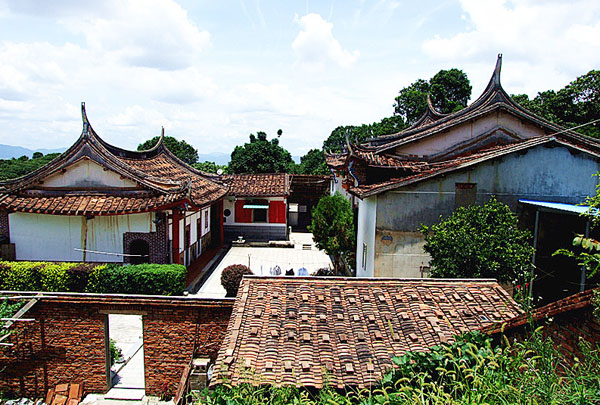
x=55, y=237
x=87, y=173
x=367, y=214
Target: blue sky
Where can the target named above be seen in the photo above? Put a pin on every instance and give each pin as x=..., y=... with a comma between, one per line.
x=212, y=72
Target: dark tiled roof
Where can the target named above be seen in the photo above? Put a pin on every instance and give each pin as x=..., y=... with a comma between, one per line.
x=570, y=303
x=258, y=185
x=303, y=331
x=424, y=170
x=492, y=99
x=161, y=179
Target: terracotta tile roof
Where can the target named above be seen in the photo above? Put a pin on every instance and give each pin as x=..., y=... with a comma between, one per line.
x=383, y=160
x=335, y=161
x=302, y=331
x=570, y=303
x=203, y=190
x=87, y=204
x=258, y=185
x=421, y=171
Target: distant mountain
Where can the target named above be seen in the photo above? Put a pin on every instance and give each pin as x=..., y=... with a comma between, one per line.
x=217, y=157
x=9, y=151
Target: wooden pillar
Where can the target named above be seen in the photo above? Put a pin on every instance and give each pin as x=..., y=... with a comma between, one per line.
x=221, y=220
x=175, y=236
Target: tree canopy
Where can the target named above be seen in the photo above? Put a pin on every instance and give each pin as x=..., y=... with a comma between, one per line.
x=210, y=167
x=357, y=134
x=576, y=104
x=479, y=241
x=13, y=168
x=261, y=156
x=181, y=149
x=333, y=229
x=449, y=90
x=312, y=163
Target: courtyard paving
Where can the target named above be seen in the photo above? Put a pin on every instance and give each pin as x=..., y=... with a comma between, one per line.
x=263, y=261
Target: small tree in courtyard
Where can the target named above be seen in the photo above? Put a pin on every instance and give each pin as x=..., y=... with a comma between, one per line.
x=333, y=229
x=480, y=241
x=231, y=277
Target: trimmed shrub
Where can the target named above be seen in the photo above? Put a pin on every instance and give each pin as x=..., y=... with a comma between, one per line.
x=78, y=276
x=153, y=279
x=20, y=276
x=158, y=279
x=53, y=276
x=231, y=277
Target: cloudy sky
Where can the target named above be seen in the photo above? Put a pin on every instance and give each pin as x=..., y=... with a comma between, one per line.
x=212, y=72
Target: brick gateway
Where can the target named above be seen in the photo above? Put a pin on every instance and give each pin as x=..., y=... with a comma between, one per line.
x=66, y=340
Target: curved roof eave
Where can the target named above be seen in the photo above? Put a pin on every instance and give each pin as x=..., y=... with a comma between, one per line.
x=493, y=95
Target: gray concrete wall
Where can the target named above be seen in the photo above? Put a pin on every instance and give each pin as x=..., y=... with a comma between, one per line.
x=542, y=173
x=259, y=233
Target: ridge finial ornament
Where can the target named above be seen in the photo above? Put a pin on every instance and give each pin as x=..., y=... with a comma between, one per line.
x=84, y=118
x=497, y=70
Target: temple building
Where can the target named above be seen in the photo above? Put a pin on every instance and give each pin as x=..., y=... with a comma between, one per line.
x=492, y=147
x=100, y=203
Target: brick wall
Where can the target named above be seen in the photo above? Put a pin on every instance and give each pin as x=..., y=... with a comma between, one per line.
x=65, y=343
x=566, y=322
x=158, y=242
x=4, y=230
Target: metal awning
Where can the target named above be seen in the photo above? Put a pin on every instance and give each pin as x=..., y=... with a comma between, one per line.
x=554, y=206
x=256, y=207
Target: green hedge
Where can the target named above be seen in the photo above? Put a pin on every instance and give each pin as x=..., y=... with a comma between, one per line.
x=157, y=279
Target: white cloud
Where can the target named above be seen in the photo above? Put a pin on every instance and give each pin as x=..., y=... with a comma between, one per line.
x=316, y=47
x=146, y=33
x=553, y=41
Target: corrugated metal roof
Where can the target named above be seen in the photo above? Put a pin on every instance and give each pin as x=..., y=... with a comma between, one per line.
x=570, y=208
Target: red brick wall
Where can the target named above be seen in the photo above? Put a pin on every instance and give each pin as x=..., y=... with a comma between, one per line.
x=565, y=329
x=66, y=341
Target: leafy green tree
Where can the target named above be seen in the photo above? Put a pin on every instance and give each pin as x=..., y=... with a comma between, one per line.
x=13, y=168
x=181, y=149
x=411, y=101
x=312, y=163
x=210, y=167
x=333, y=230
x=450, y=91
x=261, y=156
x=337, y=140
x=576, y=104
x=479, y=241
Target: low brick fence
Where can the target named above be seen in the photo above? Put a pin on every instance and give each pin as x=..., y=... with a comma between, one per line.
x=566, y=322
x=66, y=340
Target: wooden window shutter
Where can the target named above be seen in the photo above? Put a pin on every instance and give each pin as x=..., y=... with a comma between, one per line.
x=242, y=214
x=277, y=212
